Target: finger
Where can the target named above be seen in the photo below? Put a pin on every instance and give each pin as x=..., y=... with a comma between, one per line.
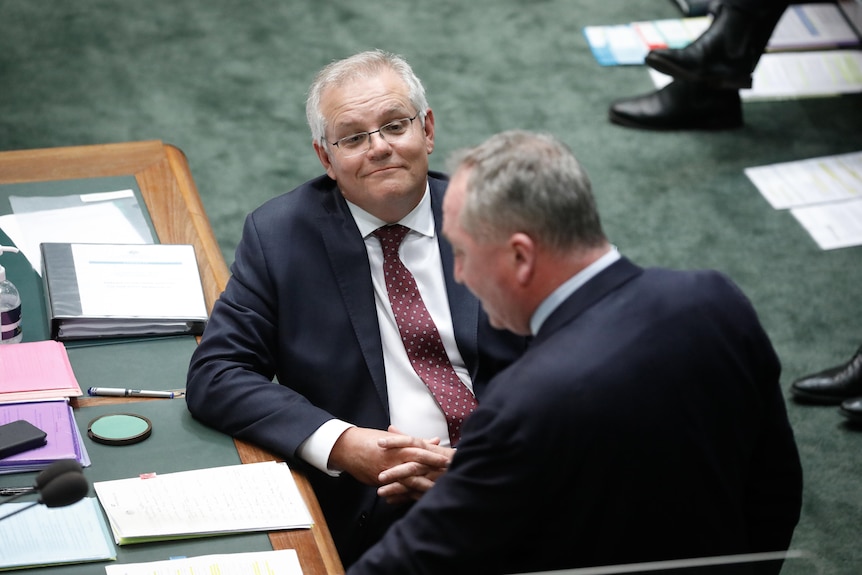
x=401, y=472
x=417, y=485
x=395, y=493
x=394, y=441
x=391, y=490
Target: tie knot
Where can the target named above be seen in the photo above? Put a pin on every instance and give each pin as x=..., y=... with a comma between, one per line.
x=390, y=236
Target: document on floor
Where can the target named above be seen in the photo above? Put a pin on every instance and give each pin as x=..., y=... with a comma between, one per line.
x=832, y=226
x=282, y=562
x=794, y=75
x=811, y=26
x=203, y=502
x=824, y=195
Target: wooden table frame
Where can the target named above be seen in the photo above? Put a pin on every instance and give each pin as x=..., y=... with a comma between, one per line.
x=163, y=176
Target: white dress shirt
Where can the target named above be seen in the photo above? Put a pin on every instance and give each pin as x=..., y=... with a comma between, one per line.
x=412, y=408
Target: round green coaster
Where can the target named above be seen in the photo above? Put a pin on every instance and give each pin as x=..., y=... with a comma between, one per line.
x=119, y=429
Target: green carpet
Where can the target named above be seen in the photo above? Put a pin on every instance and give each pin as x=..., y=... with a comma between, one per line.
x=225, y=81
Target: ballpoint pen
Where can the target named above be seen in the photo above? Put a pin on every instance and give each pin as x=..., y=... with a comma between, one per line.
x=122, y=392
x=7, y=491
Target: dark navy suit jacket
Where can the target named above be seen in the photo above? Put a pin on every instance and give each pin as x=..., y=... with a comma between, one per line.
x=300, y=308
x=645, y=422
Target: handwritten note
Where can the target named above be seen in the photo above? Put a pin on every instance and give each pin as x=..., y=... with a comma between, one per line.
x=229, y=499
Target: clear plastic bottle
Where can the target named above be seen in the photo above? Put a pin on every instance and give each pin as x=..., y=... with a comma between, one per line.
x=10, y=307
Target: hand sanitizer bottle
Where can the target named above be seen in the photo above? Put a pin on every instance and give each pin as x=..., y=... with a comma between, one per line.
x=10, y=307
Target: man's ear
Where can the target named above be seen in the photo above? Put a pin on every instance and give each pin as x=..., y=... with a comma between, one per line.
x=323, y=156
x=523, y=252
x=429, y=131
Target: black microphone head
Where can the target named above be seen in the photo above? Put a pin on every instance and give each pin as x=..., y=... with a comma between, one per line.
x=65, y=489
x=56, y=469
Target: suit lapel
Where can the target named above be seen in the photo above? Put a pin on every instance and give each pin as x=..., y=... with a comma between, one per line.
x=587, y=295
x=349, y=260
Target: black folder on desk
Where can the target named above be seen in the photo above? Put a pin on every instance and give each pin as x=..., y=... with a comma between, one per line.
x=138, y=290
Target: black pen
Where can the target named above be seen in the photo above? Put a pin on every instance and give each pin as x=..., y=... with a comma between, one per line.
x=122, y=392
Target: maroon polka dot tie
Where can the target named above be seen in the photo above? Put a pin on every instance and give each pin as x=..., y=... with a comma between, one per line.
x=420, y=336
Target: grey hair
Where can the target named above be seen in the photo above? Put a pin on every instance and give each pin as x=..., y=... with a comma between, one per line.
x=532, y=183
x=362, y=65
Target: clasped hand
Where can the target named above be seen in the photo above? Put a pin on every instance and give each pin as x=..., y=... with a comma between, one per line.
x=401, y=466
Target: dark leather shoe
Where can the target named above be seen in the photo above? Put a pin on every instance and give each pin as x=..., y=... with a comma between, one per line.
x=852, y=410
x=680, y=106
x=833, y=385
x=724, y=56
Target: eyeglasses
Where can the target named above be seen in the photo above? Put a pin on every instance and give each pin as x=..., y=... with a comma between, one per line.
x=359, y=143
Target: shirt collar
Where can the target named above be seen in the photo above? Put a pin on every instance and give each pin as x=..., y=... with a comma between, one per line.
x=420, y=218
x=569, y=287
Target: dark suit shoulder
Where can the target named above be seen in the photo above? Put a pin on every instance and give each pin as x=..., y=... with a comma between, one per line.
x=316, y=197
x=440, y=177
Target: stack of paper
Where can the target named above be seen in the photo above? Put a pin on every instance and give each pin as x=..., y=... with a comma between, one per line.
x=36, y=370
x=203, y=502
x=54, y=418
x=40, y=536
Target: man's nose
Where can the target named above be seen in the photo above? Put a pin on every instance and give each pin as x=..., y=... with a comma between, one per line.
x=377, y=143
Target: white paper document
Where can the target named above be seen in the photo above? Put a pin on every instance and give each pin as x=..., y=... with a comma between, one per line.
x=49, y=536
x=101, y=222
x=823, y=194
x=836, y=225
x=150, y=281
x=792, y=75
x=810, y=26
x=202, y=502
x=812, y=181
x=282, y=562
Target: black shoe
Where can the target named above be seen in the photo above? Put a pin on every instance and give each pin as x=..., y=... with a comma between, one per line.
x=680, y=106
x=724, y=56
x=852, y=410
x=832, y=386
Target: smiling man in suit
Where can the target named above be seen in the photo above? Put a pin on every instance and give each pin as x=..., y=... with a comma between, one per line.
x=644, y=423
x=316, y=303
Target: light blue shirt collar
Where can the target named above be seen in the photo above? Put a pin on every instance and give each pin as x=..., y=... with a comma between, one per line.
x=569, y=287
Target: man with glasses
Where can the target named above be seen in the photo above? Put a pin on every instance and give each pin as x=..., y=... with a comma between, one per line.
x=342, y=291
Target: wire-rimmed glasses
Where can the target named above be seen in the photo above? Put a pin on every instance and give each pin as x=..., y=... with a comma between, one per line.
x=360, y=142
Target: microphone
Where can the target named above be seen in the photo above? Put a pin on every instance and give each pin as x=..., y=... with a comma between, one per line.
x=56, y=469
x=61, y=483
x=65, y=489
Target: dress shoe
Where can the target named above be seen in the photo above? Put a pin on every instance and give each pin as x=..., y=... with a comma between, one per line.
x=852, y=410
x=833, y=385
x=724, y=56
x=680, y=105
